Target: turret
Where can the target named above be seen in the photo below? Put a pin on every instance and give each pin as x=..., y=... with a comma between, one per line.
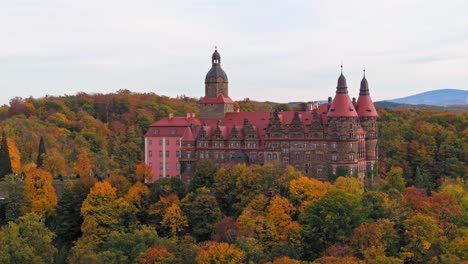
x=216, y=102
x=368, y=120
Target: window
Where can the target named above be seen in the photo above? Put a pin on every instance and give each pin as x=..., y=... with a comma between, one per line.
x=216, y=155
x=202, y=155
x=150, y=153
x=319, y=171
x=285, y=161
x=350, y=145
x=307, y=156
x=167, y=153
x=160, y=165
x=167, y=142
x=160, y=142
x=334, y=156
x=221, y=155
x=298, y=156
x=177, y=153
x=275, y=156
x=172, y=131
x=155, y=132
x=150, y=164
x=167, y=165
x=334, y=170
x=160, y=153
x=178, y=142
x=319, y=156
x=351, y=156
x=177, y=166
x=314, y=146
x=150, y=142
x=334, y=145
x=269, y=156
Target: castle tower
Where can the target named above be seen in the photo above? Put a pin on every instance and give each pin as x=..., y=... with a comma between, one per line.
x=216, y=102
x=368, y=119
x=342, y=132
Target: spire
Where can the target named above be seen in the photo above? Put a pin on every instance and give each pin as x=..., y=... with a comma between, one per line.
x=216, y=71
x=342, y=87
x=364, y=90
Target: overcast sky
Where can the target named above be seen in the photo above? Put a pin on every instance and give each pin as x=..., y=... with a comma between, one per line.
x=271, y=50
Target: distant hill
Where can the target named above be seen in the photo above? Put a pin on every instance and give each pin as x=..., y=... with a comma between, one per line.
x=443, y=97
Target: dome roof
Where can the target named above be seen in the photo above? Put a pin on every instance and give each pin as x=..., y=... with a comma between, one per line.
x=364, y=90
x=216, y=71
x=342, y=87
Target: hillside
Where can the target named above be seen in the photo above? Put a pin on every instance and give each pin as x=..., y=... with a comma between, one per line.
x=442, y=97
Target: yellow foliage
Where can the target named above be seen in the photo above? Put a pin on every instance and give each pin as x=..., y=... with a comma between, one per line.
x=40, y=192
x=99, y=195
x=174, y=220
x=83, y=163
x=350, y=185
x=279, y=212
x=305, y=191
x=284, y=260
x=137, y=194
x=143, y=172
x=214, y=252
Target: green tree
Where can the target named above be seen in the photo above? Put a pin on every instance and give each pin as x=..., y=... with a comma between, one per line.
x=5, y=161
x=203, y=176
x=26, y=241
x=166, y=186
x=16, y=202
x=202, y=211
x=395, y=178
x=330, y=220
x=41, y=153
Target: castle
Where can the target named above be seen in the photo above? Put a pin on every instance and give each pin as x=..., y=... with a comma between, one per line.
x=338, y=137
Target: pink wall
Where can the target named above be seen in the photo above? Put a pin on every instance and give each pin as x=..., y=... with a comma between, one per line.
x=162, y=166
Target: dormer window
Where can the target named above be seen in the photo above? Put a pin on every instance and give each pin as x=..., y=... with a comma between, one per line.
x=155, y=132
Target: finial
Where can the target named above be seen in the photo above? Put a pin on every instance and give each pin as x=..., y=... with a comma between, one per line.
x=216, y=47
x=342, y=67
x=364, y=71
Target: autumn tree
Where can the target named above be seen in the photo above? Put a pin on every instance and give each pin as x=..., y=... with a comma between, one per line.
x=27, y=240
x=421, y=233
x=376, y=239
x=120, y=183
x=157, y=254
x=138, y=196
x=41, y=153
x=40, y=192
x=143, y=172
x=214, y=252
x=54, y=162
x=83, y=163
x=174, y=220
x=304, y=191
x=226, y=230
x=5, y=161
x=165, y=187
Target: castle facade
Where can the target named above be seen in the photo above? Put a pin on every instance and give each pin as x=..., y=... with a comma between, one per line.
x=335, y=138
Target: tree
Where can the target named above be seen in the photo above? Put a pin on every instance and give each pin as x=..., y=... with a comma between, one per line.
x=376, y=239
x=26, y=241
x=330, y=220
x=226, y=230
x=395, y=179
x=165, y=187
x=304, y=191
x=41, y=153
x=421, y=232
x=350, y=185
x=203, y=175
x=16, y=203
x=83, y=163
x=69, y=218
x=40, y=192
x=202, y=211
x=120, y=183
x=143, y=172
x=174, y=220
x=157, y=254
x=54, y=162
x=5, y=161
x=138, y=196
x=223, y=253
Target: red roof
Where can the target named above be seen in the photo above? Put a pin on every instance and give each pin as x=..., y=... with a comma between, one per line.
x=219, y=100
x=177, y=121
x=342, y=106
x=188, y=135
x=165, y=131
x=365, y=107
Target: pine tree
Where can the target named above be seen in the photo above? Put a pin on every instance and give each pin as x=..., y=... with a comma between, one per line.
x=40, y=155
x=5, y=161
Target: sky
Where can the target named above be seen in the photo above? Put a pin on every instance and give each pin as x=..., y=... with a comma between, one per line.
x=279, y=51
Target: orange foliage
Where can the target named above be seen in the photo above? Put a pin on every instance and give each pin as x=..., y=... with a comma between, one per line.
x=120, y=183
x=284, y=260
x=40, y=192
x=15, y=156
x=137, y=194
x=214, y=252
x=143, y=172
x=83, y=163
x=158, y=254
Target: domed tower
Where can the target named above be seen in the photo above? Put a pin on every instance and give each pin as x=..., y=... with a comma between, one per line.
x=216, y=101
x=368, y=119
x=342, y=132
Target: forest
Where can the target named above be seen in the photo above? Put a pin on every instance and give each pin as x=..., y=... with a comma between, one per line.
x=414, y=210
